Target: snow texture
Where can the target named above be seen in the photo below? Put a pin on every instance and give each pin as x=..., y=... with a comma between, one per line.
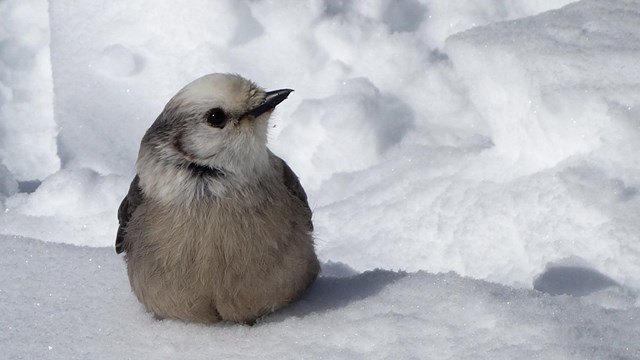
x=482, y=152
x=27, y=127
x=67, y=302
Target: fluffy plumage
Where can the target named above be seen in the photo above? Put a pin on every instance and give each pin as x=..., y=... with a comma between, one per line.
x=215, y=226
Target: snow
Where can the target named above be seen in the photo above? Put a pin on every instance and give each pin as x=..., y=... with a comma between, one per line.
x=27, y=126
x=470, y=164
x=87, y=310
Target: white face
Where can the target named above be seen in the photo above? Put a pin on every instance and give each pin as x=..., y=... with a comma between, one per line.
x=209, y=122
x=206, y=124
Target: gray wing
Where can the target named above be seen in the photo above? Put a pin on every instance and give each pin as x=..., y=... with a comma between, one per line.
x=126, y=209
x=295, y=188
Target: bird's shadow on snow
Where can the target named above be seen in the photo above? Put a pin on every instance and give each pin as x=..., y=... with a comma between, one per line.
x=337, y=287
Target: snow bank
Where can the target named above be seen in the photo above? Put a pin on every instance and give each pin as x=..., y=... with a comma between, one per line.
x=555, y=178
x=111, y=81
x=559, y=84
x=73, y=205
x=62, y=302
x=27, y=128
x=491, y=154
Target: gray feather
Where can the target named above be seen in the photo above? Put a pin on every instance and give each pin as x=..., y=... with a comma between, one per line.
x=128, y=205
x=292, y=184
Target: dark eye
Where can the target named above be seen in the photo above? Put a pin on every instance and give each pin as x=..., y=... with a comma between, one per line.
x=217, y=118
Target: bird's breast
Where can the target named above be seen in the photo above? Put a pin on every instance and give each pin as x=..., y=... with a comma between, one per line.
x=224, y=235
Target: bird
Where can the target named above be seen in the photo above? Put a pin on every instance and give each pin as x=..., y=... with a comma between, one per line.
x=215, y=227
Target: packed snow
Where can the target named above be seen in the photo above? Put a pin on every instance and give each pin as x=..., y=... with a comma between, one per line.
x=471, y=165
x=74, y=302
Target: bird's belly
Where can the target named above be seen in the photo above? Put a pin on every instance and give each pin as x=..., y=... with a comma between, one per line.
x=242, y=262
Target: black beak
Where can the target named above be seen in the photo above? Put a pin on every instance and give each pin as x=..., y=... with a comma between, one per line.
x=272, y=99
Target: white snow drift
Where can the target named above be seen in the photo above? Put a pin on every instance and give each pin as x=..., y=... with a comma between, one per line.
x=495, y=139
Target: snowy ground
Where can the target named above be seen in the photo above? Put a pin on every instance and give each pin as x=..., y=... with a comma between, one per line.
x=74, y=302
x=486, y=148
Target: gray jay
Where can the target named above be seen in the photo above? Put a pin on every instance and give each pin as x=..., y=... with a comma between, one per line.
x=215, y=227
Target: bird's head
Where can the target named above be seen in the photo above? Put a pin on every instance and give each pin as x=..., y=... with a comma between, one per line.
x=217, y=123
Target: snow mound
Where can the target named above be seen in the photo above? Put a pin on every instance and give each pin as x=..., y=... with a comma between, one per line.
x=73, y=205
x=77, y=300
x=376, y=122
x=27, y=128
x=430, y=135
x=449, y=141
x=547, y=176
x=549, y=86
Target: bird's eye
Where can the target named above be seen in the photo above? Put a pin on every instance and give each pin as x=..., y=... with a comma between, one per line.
x=216, y=118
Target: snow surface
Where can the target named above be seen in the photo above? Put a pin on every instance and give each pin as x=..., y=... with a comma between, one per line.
x=487, y=148
x=67, y=302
